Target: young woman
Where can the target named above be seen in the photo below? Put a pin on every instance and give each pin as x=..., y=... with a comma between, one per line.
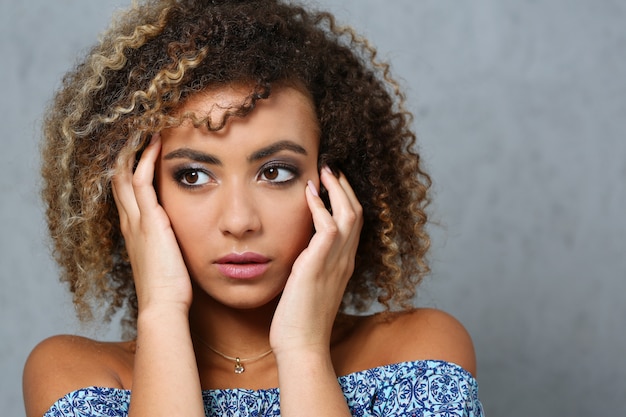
x=240, y=177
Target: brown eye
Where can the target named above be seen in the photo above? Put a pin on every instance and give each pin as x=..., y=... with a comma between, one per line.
x=278, y=174
x=191, y=177
x=271, y=173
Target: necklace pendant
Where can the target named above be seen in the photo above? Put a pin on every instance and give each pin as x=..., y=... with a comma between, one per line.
x=239, y=366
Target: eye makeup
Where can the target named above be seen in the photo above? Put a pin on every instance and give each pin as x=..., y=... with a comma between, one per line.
x=192, y=177
x=279, y=173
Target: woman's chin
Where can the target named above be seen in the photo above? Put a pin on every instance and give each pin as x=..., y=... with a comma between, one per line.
x=240, y=298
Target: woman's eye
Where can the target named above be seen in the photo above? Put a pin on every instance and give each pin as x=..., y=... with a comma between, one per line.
x=193, y=177
x=277, y=174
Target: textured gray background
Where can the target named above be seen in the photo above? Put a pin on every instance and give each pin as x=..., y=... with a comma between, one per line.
x=520, y=109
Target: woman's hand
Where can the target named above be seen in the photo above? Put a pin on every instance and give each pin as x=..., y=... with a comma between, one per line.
x=164, y=349
x=161, y=277
x=307, y=309
x=303, y=321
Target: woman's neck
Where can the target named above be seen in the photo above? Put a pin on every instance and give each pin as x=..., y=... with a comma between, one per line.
x=221, y=333
x=234, y=332
x=242, y=333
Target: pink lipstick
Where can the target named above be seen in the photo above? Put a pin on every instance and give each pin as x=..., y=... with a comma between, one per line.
x=246, y=265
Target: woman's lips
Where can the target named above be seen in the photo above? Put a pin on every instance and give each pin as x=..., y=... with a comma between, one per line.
x=242, y=266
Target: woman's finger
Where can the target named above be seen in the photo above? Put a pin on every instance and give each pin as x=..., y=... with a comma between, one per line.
x=356, y=206
x=348, y=215
x=349, y=191
x=122, y=188
x=322, y=220
x=337, y=234
x=143, y=177
x=346, y=208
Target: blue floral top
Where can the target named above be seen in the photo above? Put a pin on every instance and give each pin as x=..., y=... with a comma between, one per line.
x=421, y=388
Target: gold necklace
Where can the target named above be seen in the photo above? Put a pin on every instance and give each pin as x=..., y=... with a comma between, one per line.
x=239, y=368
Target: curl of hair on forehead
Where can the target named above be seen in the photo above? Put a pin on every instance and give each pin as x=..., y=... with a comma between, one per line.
x=241, y=109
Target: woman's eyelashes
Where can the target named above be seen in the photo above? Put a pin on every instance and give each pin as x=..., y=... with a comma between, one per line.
x=273, y=173
x=192, y=177
x=278, y=173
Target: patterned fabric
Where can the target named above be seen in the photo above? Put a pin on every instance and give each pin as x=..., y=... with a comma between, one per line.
x=420, y=389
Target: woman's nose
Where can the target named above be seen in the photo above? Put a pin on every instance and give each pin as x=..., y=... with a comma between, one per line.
x=239, y=214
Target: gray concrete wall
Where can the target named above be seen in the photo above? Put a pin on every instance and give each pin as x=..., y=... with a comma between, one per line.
x=521, y=109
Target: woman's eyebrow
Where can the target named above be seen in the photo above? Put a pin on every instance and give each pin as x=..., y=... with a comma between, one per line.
x=186, y=153
x=283, y=145
x=194, y=155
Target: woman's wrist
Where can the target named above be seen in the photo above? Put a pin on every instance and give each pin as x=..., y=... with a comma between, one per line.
x=162, y=312
x=165, y=358
x=308, y=384
x=304, y=360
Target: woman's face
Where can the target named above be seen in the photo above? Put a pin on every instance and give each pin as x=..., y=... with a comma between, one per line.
x=236, y=197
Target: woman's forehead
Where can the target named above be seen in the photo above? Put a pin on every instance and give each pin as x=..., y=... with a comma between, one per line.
x=287, y=114
x=213, y=104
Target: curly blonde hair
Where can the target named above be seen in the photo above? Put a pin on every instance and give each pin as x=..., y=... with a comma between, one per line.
x=160, y=52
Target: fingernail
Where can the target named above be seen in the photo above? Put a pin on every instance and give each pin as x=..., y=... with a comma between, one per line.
x=312, y=188
x=327, y=169
x=154, y=138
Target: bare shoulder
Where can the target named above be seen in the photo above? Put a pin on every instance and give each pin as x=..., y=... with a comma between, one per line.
x=62, y=364
x=418, y=334
x=433, y=334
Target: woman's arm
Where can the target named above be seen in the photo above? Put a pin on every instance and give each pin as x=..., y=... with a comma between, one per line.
x=165, y=377
x=301, y=329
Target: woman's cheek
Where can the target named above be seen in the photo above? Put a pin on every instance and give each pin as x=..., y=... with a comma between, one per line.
x=293, y=217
